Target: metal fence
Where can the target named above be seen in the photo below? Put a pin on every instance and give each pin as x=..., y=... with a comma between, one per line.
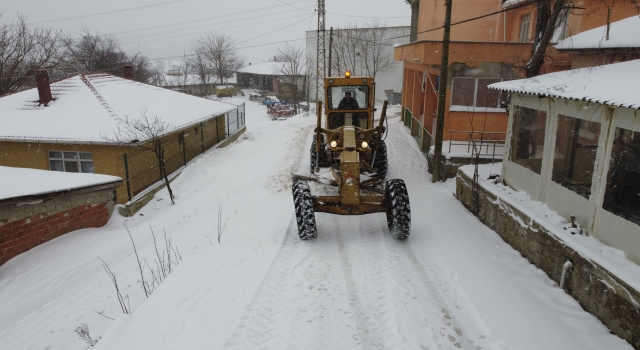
x=140, y=168
x=418, y=132
x=480, y=143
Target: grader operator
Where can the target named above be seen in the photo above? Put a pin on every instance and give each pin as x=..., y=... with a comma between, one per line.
x=349, y=162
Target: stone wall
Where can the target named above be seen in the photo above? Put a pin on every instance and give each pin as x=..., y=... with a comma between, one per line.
x=597, y=290
x=27, y=222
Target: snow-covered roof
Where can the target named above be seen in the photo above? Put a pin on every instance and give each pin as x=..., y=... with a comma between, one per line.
x=622, y=34
x=192, y=79
x=508, y=3
x=20, y=182
x=613, y=84
x=264, y=68
x=86, y=107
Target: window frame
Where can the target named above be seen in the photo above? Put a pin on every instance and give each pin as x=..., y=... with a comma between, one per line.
x=79, y=160
x=523, y=37
x=474, y=107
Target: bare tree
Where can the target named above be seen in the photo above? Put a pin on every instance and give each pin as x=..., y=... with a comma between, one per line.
x=345, y=49
x=221, y=53
x=377, y=57
x=364, y=51
x=97, y=52
x=546, y=23
x=146, y=134
x=200, y=66
x=291, y=68
x=23, y=50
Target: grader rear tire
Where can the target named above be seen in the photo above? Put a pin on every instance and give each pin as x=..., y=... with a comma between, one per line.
x=305, y=216
x=398, y=210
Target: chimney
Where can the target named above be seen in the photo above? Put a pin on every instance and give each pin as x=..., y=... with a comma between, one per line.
x=128, y=71
x=44, y=88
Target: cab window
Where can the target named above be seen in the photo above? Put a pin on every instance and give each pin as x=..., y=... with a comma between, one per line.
x=348, y=97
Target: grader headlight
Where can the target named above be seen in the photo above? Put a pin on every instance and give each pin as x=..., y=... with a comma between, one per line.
x=334, y=144
x=365, y=144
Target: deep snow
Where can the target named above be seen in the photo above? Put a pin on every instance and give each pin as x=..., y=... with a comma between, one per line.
x=453, y=284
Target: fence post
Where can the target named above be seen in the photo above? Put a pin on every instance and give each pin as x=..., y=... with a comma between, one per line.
x=228, y=129
x=202, y=136
x=184, y=150
x=217, y=129
x=126, y=172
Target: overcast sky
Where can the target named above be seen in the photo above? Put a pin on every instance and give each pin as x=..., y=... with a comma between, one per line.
x=166, y=28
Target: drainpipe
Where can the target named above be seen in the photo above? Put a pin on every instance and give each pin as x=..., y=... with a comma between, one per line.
x=565, y=271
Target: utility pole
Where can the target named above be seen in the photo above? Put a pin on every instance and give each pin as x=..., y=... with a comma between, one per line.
x=330, y=47
x=442, y=94
x=321, y=52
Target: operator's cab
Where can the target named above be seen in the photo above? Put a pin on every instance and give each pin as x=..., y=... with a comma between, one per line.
x=350, y=102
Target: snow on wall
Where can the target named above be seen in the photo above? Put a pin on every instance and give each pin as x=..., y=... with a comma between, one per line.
x=19, y=182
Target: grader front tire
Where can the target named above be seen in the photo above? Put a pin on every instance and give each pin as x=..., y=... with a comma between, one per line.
x=398, y=209
x=305, y=216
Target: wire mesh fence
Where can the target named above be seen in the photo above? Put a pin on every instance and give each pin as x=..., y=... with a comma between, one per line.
x=418, y=132
x=141, y=170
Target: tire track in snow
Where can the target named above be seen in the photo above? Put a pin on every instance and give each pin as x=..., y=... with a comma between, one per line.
x=263, y=323
x=452, y=317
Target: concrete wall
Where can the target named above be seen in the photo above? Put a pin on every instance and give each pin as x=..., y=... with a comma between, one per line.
x=27, y=222
x=596, y=289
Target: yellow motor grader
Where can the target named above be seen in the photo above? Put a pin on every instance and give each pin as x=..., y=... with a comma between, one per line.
x=349, y=162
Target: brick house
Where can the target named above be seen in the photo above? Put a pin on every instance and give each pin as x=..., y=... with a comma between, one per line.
x=483, y=51
x=68, y=125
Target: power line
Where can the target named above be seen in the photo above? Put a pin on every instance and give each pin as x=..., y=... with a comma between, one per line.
x=260, y=36
x=203, y=19
x=109, y=12
x=206, y=26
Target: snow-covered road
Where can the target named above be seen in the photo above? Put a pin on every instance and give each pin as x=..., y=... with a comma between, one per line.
x=453, y=284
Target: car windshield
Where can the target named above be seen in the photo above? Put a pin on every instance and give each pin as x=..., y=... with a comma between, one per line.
x=348, y=97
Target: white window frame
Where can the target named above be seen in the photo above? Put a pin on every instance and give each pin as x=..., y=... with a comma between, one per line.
x=460, y=108
x=77, y=160
x=525, y=28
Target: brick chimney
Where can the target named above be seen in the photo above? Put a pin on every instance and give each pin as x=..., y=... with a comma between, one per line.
x=128, y=71
x=44, y=87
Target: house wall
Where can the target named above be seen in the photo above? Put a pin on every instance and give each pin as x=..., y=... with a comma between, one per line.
x=28, y=222
x=490, y=28
x=607, y=227
x=109, y=159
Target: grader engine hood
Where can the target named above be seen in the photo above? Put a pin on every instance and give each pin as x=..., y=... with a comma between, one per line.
x=350, y=169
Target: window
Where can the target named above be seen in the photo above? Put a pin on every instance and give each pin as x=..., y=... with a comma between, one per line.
x=562, y=26
x=622, y=194
x=527, y=141
x=181, y=138
x=475, y=92
x=575, y=154
x=359, y=96
x=525, y=26
x=71, y=162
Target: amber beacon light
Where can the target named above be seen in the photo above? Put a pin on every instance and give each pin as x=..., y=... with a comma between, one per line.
x=347, y=74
